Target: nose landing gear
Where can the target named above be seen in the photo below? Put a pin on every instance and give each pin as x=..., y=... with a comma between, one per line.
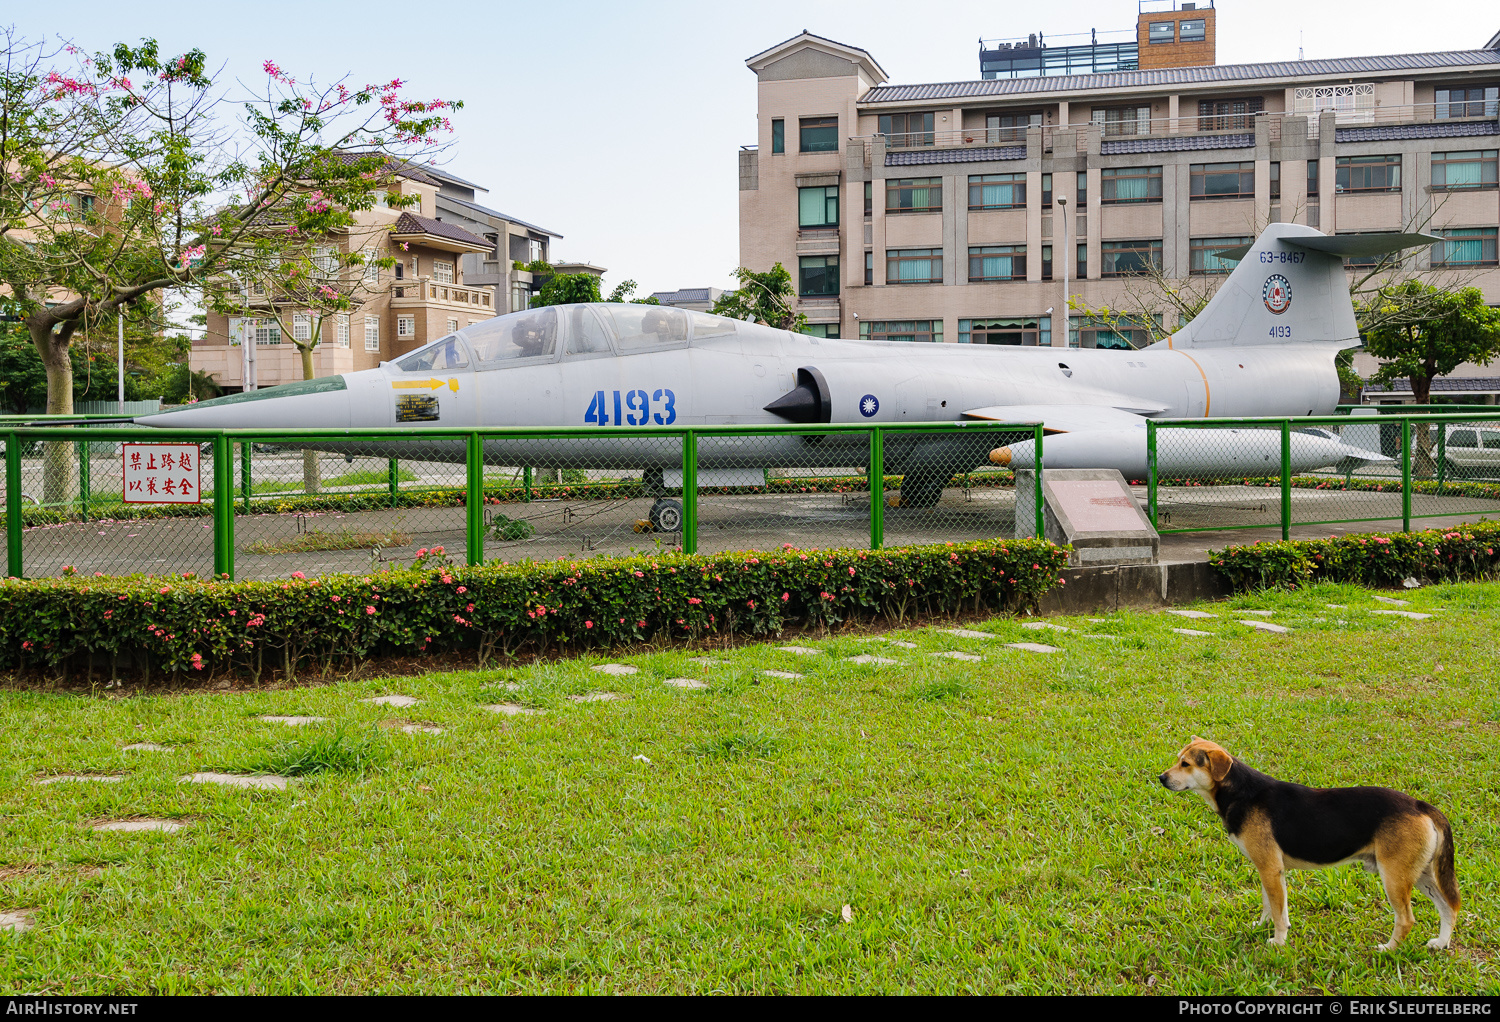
x=666, y=515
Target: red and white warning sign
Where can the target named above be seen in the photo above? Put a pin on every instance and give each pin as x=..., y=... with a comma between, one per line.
x=161, y=473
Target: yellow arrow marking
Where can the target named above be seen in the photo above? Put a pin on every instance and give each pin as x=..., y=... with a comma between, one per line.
x=453, y=384
x=423, y=384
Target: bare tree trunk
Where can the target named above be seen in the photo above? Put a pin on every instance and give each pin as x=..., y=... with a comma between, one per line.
x=312, y=475
x=1423, y=464
x=59, y=466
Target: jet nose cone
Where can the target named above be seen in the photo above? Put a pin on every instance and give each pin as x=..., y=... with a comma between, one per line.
x=323, y=402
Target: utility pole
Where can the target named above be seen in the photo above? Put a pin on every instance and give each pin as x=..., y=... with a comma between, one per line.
x=1067, y=258
x=120, y=358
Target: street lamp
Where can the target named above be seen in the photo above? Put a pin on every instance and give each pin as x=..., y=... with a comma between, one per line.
x=1066, y=256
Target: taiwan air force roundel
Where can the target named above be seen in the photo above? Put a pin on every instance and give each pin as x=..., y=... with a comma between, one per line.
x=1277, y=293
x=869, y=405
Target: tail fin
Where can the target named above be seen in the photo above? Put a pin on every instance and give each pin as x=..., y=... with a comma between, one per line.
x=1289, y=288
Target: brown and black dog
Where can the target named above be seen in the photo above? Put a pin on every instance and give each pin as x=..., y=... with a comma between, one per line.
x=1283, y=826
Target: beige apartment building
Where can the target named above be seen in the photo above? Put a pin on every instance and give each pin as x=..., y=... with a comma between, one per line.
x=953, y=211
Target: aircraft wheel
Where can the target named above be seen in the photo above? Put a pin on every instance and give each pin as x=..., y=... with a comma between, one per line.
x=922, y=489
x=666, y=516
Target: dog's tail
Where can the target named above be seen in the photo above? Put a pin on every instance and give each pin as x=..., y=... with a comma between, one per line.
x=1442, y=861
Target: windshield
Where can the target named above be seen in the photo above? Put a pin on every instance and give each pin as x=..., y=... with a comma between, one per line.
x=445, y=354
x=520, y=335
x=638, y=327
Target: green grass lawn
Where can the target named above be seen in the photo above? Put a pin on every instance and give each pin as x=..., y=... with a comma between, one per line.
x=993, y=826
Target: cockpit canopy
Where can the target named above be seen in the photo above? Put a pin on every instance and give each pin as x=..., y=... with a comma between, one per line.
x=577, y=331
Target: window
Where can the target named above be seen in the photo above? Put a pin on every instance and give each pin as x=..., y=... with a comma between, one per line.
x=818, y=207
x=999, y=128
x=1123, y=120
x=1454, y=171
x=1223, y=180
x=1046, y=262
x=1229, y=114
x=442, y=272
x=372, y=272
x=820, y=276
x=1046, y=191
x=86, y=205
x=372, y=333
x=1130, y=184
x=914, y=195
x=406, y=326
x=1367, y=174
x=1482, y=101
x=1161, y=32
x=1014, y=331
x=325, y=261
x=1195, y=31
x=778, y=135
x=869, y=269
x=453, y=326
x=920, y=330
x=1123, y=258
x=869, y=198
x=1081, y=190
x=535, y=335
x=267, y=331
x=520, y=297
x=914, y=266
x=1312, y=181
x=401, y=272
x=1276, y=181
x=341, y=331
x=903, y=131
x=447, y=353
x=1465, y=246
x=821, y=330
x=301, y=327
x=1083, y=262
x=1124, y=334
x=997, y=262
x=997, y=191
x=1203, y=260
x=820, y=134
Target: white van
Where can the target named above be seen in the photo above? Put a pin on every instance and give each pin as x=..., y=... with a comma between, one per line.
x=1473, y=450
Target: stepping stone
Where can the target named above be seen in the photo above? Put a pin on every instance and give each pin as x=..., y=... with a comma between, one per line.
x=1037, y=626
x=391, y=701
x=969, y=633
x=16, y=920
x=1393, y=600
x=266, y=781
x=800, y=650
x=165, y=826
x=1336, y=606
x=1192, y=631
x=596, y=697
x=780, y=674
x=1261, y=613
x=513, y=709
x=865, y=658
x=954, y=654
x=1403, y=613
x=1097, y=635
x=294, y=721
x=1265, y=626
x=147, y=747
x=1195, y=614
x=1097, y=620
x=67, y=778
x=685, y=683
x=705, y=661
x=902, y=645
x=1032, y=647
x=614, y=669
x=412, y=727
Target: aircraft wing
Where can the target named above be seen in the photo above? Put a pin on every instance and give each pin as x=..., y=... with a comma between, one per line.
x=1066, y=418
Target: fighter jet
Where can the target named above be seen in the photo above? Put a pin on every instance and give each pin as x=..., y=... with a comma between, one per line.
x=1264, y=346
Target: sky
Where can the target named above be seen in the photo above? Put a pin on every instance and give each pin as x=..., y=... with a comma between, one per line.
x=617, y=124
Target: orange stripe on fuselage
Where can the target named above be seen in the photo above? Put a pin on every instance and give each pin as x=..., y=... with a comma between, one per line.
x=1207, y=397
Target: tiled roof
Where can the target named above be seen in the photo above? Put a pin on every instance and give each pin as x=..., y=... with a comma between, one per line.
x=401, y=168
x=1177, y=143
x=917, y=157
x=410, y=223
x=1181, y=76
x=1388, y=133
x=687, y=294
x=1462, y=384
x=496, y=213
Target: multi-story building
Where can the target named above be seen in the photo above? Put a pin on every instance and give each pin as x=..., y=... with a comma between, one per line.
x=973, y=211
x=455, y=265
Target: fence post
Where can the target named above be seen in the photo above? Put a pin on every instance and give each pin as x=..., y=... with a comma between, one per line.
x=393, y=478
x=246, y=450
x=1405, y=475
x=876, y=474
x=223, y=507
x=526, y=484
x=13, y=518
x=474, y=500
x=1442, y=454
x=689, y=492
x=1151, y=472
x=1286, y=478
x=1036, y=496
x=83, y=478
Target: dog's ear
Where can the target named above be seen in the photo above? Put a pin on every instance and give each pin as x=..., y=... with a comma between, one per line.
x=1219, y=763
x=1195, y=738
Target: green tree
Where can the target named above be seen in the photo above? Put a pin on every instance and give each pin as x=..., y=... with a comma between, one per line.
x=624, y=289
x=1422, y=332
x=568, y=289
x=769, y=298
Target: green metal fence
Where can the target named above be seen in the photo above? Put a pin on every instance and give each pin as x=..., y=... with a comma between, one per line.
x=1223, y=474
x=274, y=502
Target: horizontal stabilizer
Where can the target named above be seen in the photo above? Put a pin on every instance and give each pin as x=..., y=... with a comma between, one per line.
x=1344, y=245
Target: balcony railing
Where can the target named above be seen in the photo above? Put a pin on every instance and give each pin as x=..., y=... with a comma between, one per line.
x=425, y=289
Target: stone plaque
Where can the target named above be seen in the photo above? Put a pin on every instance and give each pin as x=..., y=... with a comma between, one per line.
x=1094, y=511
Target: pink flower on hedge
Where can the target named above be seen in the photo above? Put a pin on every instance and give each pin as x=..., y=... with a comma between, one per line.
x=336, y=599
x=694, y=599
x=422, y=552
x=785, y=597
x=369, y=610
x=165, y=589
x=588, y=624
x=447, y=580
x=298, y=574
x=750, y=604
x=463, y=589
x=197, y=659
x=640, y=574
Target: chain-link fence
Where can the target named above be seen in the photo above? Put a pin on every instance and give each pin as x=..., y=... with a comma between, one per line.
x=254, y=504
x=1208, y=475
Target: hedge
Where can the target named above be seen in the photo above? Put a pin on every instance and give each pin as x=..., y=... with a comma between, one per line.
x=1428, y=487
x=1462, y=553
x=184, y=625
